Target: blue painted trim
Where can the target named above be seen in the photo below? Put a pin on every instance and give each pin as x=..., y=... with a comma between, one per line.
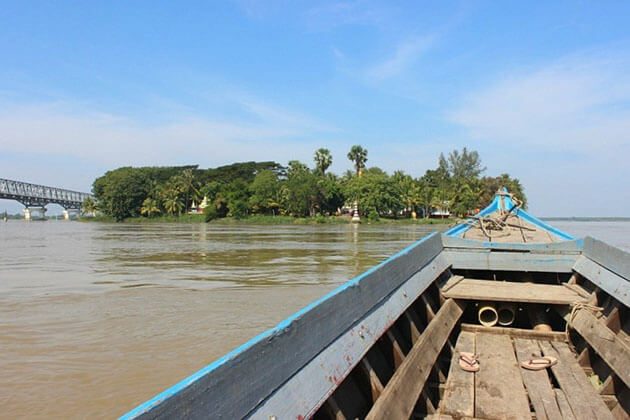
x=504, y=202
x=277, y=330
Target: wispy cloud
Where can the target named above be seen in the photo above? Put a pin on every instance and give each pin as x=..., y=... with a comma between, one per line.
x=339, y=13
x=69, y=129
x=564, y=127
x=405, y=54
x=582, y=101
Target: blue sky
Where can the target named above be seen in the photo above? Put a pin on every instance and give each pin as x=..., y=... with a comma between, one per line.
x=540, y=89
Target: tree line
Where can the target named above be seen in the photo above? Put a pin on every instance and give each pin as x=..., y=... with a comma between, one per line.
x=268, y=188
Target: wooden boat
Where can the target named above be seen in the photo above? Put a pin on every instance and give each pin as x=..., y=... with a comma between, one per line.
x=504, y=286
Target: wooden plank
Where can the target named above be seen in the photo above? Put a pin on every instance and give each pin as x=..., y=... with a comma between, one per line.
x=581, y=395
x=305, y=391
x=516, y=332
x=574, y=246
x=452, y=281
x=427, y=306
x=508, y=291
x=605, y=342
x=610, y=401
x=608, y=386
x=614, y=259
x=279, y=353
x=577, y=289
x=376, y=386
x=613, y=284
x=414, y=323
x=539, y=388
x=510, y=261
x=499, y=391
x=563, y=404
x=459, y=395
x=332, y=408
x=402, y=391
x=613, y=320
x=399, y=354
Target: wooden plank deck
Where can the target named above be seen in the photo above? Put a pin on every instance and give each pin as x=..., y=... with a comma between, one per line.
x=516, y=332
x=583, y=398
x=489, y=290
x=497, y=393
x=539, y=389
x=503, y=390
x=459, y=395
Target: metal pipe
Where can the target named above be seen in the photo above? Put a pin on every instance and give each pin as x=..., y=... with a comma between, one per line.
x=487, y=314
x=506, y=313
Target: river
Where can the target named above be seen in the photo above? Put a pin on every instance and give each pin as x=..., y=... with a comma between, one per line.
x=96, y=318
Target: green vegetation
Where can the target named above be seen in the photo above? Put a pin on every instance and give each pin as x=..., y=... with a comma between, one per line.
x=268, y=193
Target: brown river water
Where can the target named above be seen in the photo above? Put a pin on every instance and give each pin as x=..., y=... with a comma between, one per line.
x=97, y=318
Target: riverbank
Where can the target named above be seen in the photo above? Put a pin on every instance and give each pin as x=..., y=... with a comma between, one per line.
x=269, y=220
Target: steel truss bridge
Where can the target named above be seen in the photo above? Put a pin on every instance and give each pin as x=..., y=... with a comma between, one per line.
x=32, y=195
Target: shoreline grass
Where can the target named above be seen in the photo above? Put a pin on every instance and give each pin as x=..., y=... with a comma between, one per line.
x=268, y=220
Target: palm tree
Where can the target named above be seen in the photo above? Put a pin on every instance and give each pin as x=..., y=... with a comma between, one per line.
x=358, y=155
x=149, y=207
x=323, y=160
x=171, y=196
x=88, y=206
x=173, y=204
x=188, y=186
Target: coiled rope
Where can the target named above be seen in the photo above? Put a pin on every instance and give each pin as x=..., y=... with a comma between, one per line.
x=575, y=308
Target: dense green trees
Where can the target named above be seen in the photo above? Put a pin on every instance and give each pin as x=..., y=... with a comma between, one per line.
x=267, y=188
x=120, y=193
x=265, y=193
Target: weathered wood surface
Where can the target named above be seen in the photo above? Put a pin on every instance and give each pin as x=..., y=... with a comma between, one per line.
x=376, y=387
x=303, y=393
x=517, y=230
x=508, y=291
x=510, y=261
x=499, y=391
x=452, y=281
x=397, y=351
x=459, y=394
x=563, y=404
x=605, y=342
x=578, y=289
x=614, y=259
x=403, y=389
x=414, y=323
x=539, y=389
x=515, y=332
x=333, y=410
x=574, y=246
x=610, y=282
x=278, y=354
x=581, y=395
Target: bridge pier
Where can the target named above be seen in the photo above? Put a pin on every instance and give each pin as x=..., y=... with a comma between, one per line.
x=35, y=213
x=69, y=214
